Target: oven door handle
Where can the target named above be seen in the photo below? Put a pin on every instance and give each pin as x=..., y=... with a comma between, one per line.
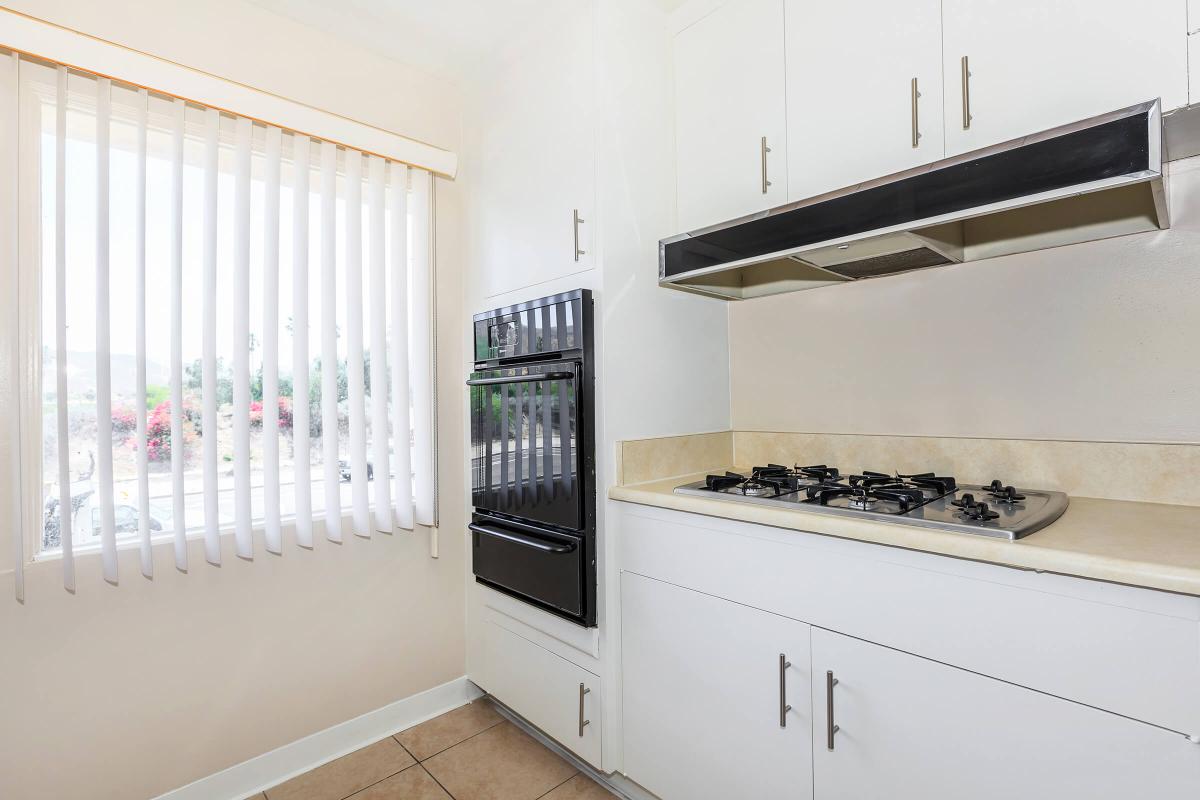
x=531, y=378
x=516, y=538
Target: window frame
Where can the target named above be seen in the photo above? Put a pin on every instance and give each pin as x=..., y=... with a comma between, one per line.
x=26, y=310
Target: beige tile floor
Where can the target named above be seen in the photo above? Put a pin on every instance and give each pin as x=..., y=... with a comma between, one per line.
x=470, y=753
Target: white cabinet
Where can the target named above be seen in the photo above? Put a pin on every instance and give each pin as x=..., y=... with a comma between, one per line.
x=704, y=684
x=1034, y=65
x=560, y=698
x=535, y=156
x=864, y=91
x=731, y=153
x=912, y=728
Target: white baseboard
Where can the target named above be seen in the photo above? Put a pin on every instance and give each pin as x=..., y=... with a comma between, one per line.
x=269, y=769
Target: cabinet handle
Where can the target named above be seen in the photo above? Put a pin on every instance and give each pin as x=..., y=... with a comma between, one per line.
x=784, y=708
x=577, y=221
x=765, y=149
x=966, y=93
x=916, y=125
x=582, y=722
x=830, y=728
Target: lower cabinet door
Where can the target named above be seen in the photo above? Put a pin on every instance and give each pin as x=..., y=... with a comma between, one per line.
x=560, y=698
x=707, y=685
x=907, y=727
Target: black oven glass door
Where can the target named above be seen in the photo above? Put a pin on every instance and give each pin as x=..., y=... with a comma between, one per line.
x=524, y=442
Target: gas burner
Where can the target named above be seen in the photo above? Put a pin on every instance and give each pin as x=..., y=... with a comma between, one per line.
x=863, y=501
x=757, y=485
x=897, y=498
x=719, y=483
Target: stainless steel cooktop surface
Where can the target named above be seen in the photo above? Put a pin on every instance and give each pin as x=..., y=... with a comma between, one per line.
x=927, y=500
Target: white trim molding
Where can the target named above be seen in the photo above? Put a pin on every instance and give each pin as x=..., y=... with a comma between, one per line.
x=272, y=768
x=49, y=42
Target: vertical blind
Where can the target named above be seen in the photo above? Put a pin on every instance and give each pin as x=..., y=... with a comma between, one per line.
x=189, y=231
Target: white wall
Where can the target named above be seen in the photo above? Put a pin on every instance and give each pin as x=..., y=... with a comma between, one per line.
x=1091, y=342
x=149, y=685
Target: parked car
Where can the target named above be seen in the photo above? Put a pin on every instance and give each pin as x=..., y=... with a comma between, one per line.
x=126, y=519
x=344, y=469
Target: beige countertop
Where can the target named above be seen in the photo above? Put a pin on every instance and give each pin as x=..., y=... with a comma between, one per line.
x=1150, y=545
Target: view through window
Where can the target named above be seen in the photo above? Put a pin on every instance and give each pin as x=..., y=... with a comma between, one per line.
x=80, y=319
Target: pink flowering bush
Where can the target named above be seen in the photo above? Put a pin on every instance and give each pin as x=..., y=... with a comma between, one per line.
x=123, y=419
x=158, y=430
x=285, y=414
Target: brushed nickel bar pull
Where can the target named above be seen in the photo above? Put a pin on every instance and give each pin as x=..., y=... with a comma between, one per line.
x=765, y=149
x=784, y=708
x=916, y=125
x=830, y=728
x=577, y=221
x=582, y=722
x=966, y=93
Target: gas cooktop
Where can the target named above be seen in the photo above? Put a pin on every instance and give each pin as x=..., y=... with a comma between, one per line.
x=924, y=499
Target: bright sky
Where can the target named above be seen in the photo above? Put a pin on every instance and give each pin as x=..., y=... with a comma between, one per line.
x=81, y=251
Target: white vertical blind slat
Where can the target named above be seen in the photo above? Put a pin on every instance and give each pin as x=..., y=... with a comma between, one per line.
x=9, y=260
x=9, y=82
x=422, y=368
x=65, y=515
x=212, y=524
x=329, y=365
x=178, y=499
x=401, y=418
x=379, y=381
x=270, y=391
x=104, y=463
x=143, y=466
x=243, y=535
x=300, y=362
x=355, y=389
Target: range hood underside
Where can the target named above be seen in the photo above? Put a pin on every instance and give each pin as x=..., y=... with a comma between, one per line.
x=1133, y=208
x=1094, y=179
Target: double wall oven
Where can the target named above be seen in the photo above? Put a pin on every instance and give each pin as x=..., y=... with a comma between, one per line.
x=533, y=472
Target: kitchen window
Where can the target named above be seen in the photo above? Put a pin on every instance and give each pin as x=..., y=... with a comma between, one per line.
x=196, y=195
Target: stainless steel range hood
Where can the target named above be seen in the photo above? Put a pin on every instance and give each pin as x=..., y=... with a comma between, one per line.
x=1090, y=180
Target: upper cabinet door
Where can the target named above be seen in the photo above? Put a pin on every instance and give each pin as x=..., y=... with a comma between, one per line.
x=731, y=153
x=715, y=694
x=913, y=729
x=1032, y=65
x=535, y=165
x=867, y=109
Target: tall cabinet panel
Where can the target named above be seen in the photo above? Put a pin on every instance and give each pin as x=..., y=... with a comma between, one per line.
x=912, y=729
x=731, y=153
x=535, y=165
x=1032, y=65
x=867, y=111
x=707, y=689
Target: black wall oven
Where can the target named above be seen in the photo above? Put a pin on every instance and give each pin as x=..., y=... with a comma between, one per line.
x=533, y=469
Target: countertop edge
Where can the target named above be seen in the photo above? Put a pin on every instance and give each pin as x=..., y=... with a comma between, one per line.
x=1126, y=572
